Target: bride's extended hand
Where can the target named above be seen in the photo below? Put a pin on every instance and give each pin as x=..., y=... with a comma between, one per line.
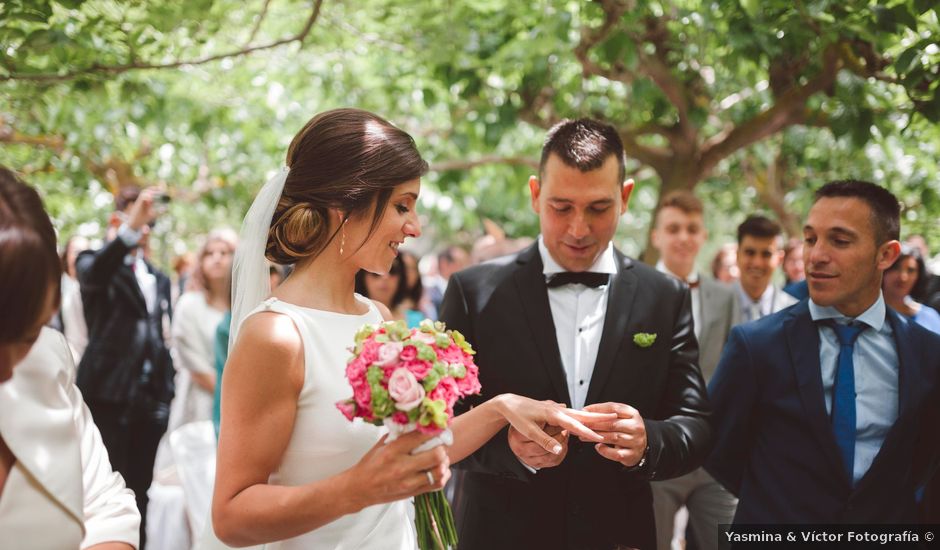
x=529, y=417
x=389, y=472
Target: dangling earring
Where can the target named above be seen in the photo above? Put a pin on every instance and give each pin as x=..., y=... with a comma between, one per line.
x=342, y=240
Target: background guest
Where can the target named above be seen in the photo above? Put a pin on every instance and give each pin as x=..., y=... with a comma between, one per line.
x=759, y=256
x=126, y=373
x=678, y=234
x=449, y=261
x=71, y=315
x=198, y=314
x=392, y=290
x=57, y=487
x=419, y=305
x=794, y=275
x=725, y=264
x=903, y=285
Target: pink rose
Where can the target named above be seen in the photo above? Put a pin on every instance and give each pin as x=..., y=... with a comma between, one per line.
x=347, y=408
x=405, y=389
x=370, y=351
x=470, y=383
x=453, y=354
x=418, y=368
x=356, y=371
x=400, y=418
x=408, y=353
x=447, y=392
x=388, y=354
x=362, y=394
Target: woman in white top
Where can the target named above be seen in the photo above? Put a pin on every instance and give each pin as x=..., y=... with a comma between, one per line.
x=291, y=469
x=57, y=489
x=196, y=317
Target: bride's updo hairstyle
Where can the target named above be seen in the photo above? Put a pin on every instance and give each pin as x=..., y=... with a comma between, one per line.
x=347, y=159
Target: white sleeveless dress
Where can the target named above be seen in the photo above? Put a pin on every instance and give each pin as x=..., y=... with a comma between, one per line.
x=324, y=443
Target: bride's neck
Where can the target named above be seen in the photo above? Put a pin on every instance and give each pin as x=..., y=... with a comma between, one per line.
x=325, y=283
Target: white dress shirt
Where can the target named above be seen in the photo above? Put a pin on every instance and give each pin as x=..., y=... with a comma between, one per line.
x=751, y=310
x=578, y=313
x=145, y=279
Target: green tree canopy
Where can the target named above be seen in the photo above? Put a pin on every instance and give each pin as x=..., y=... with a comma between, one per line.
x=752, y=104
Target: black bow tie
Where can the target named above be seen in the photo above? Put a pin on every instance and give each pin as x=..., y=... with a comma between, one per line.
x=586, y=278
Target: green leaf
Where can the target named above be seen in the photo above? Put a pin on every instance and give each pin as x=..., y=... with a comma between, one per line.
x=903, y=16
x=751, y=7
x=907, y=58
x=861, y=131
x=70, y=4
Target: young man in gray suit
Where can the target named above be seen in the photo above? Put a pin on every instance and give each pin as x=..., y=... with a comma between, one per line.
x=678, y=234
x=760, y=252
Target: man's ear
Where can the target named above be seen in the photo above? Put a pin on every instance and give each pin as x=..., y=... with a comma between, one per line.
x=534, y=189
x=625, y=193
x=888, y=254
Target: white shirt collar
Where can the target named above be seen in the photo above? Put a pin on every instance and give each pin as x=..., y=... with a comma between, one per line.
x=874, y=316
x=692, y=278
x=605, y=262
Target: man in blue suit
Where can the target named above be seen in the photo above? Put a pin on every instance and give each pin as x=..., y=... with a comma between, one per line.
x=819, y=408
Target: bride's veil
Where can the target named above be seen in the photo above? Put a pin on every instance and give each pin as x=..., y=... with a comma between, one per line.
x=251, y=283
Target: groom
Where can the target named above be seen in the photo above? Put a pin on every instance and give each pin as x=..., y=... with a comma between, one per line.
x=573, y=320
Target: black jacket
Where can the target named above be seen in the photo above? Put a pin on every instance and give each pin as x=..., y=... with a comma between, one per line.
x=122, y=335
x=588, y=501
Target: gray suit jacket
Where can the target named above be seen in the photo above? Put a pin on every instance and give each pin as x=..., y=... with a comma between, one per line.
x=719, y=312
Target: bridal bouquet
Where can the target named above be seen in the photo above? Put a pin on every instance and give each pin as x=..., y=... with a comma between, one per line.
x=410, y=379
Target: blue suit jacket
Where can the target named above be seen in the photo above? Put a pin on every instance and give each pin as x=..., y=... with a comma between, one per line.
x=775, y=448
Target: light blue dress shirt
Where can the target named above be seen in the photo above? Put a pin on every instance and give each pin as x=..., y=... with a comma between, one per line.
x=876, y=377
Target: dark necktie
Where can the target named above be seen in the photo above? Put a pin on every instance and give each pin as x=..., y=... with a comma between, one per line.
x=843, y=394
x=586, y=278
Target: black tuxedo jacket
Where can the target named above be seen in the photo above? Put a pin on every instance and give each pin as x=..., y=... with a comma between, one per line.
x=775, y=448
x=588, y=501
x=122, y=334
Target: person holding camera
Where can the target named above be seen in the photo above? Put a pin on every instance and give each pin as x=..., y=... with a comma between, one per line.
x=126, y=373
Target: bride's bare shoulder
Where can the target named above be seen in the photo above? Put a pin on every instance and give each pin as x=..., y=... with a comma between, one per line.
x=268, y=342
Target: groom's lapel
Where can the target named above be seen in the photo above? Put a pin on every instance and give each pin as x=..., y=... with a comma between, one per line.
x=530, y=282
x=619, y=306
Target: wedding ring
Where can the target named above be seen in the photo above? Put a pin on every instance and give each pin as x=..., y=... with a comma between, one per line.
x=430, y=477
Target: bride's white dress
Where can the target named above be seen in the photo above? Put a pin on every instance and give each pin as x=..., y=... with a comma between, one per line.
x=324, y=443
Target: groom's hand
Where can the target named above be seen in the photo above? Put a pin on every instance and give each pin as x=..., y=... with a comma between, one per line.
x=624, y=437
x=534, y=455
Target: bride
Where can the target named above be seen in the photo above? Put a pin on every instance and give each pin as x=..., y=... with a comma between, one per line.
x=291, y=469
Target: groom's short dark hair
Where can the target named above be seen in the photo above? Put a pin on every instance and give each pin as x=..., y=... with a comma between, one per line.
x=583, y=144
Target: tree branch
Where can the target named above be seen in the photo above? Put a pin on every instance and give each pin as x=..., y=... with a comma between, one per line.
x=788, y=109
x=658, y=70
x=258, y=21
x=8, y=135
x=492, y=159
x=652, y=66
x=118, y=69
x=657, y=158
x=590, y=37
